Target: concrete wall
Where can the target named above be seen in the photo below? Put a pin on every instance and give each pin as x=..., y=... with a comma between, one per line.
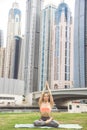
x=10, y=100
x=11, y=86
x=77, y=107
x=11, y=93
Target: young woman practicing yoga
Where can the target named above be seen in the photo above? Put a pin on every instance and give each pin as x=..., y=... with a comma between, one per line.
x=46, y=103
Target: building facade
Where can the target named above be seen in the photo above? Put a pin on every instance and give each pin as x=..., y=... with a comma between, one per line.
x=2, y=60
x=63, y=48
x=17, y=44
x=2, y=54
x=21, y=58
x=13, y=29
x=1, y=39
x=46, y=46
x=80, y=44
x=33, y=10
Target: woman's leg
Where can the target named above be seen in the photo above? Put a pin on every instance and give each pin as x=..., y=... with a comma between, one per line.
x=53, y=123
x=39, y=123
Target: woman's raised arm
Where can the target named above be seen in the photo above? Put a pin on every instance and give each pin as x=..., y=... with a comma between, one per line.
x=41, y=97
x=50, y=94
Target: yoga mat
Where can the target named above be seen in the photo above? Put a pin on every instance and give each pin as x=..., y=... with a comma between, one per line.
x=68, y=126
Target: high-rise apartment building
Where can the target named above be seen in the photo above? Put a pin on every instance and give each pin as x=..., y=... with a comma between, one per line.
x=2, y=54
x=63, y=47
x=21, y=59
x=46, y=46
x=80, y=44
x=13, y=29
x=2, y=60
x=16, y=57
x=33, y=10
x=1, y=39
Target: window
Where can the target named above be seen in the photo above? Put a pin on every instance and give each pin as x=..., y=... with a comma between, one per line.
x=70, y=107
x=78, y=106
x=7, y=98
x=16, y=19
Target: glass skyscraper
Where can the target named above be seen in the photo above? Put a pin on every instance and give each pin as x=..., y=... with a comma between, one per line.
x=13, y=29
x=63, y=55
x=80, y=44
x=1, y=39
x=33, y=10
x=46, y=46
x=16, y=57
x=2, y=54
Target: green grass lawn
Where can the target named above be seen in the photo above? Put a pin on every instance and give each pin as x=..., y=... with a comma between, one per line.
x=8, y=120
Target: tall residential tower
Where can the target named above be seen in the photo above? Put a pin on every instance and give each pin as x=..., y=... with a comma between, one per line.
x=2, y=54
x=33, y=10
x=63, y=52
x=13, y=29
x=80, y=44
x=1, y=39
x=46, y=46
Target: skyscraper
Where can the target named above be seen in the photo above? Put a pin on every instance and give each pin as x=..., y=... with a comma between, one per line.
x=33, y=11
x=16, y=57
x=22, y=58
x=13, y=29
x=80, y=44
x=1, y=39
x=46, y=46
x=2, y=60
x=63, y=52
x=2, y=54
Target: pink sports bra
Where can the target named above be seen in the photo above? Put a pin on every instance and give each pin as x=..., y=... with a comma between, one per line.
x=45, y=108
